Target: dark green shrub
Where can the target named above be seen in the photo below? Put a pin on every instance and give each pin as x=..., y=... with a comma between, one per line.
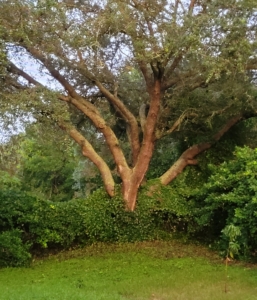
x=230, y=198
x=13, y=251
x=16, y=208
x=96, y=218
x=173, y=209
x=62, y=224
x=107, y=219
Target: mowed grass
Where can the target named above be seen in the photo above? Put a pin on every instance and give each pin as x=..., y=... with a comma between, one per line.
x=150, y=270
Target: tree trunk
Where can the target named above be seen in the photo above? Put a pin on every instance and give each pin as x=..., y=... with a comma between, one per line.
x=131, y=186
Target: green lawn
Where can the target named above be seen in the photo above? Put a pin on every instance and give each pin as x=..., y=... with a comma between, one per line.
x=154, y=271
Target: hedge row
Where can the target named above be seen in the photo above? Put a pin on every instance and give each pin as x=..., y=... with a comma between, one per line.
x=27, y=223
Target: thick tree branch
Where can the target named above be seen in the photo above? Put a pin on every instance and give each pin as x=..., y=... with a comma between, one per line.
x=191, y=7
x=87, y=149
x=88, y=109
x=188, y=156
x=173, y=66
x=92, y=113
x=148, y=79
x=118, y=104
x=61, y=79
x=189, y=79
x=109, y=135
x=89, y=152
x=127, y=116
x=138, y=172
x=169, y=83
x=56, y=74
x=15, y=70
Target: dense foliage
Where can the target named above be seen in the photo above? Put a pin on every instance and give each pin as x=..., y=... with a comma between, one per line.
x=38, y=224
x=14, y=252
x=47, y=168
x=193, y=206
x=230, y=198
x=226, y=202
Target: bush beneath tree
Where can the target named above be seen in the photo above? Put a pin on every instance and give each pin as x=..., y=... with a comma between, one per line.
x=228, y=198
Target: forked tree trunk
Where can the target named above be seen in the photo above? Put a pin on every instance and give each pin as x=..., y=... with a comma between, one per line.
x=132, y=178
x=132, y=184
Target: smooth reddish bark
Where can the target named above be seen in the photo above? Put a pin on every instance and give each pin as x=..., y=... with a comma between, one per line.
x=89, y=152
x=132, y=184
x=188, y=156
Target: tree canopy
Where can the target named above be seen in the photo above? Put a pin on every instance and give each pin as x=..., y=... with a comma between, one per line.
x=129, y=73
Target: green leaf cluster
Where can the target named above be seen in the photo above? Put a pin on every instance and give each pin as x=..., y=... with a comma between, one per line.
x=14, y=252
x=230, y=198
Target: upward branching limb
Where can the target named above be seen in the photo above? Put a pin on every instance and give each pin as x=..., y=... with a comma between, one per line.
x=89, y=152
x=127, y=116
x=188, y=156
x=176, y=61
x=91, y=112
x=101, y=125
x=146, y=74
x=87, y=149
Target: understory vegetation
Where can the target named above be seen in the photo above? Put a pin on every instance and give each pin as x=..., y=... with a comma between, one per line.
x=127, y=121
x=204, y=211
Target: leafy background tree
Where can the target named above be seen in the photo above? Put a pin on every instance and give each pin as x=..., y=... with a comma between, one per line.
x=46, y=167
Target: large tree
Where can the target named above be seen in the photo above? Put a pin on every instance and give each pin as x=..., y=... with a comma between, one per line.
x=138, y=70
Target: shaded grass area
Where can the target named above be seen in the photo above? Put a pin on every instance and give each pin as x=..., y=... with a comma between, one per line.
x=150, y=270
